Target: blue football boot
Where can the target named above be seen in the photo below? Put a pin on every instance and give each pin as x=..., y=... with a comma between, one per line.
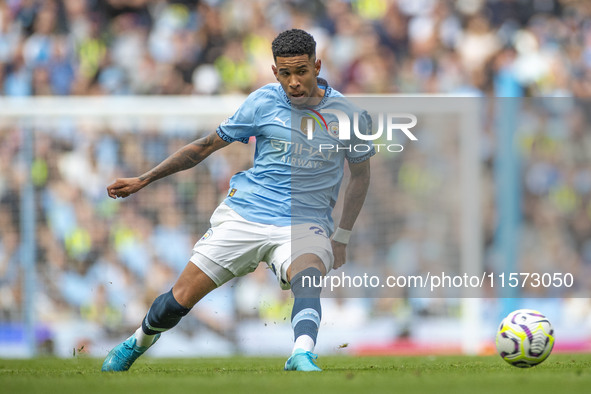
x=123, y=355
x=302, y=360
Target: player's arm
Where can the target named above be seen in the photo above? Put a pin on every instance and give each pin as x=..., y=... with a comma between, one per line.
x=187, y=157
x=353, y=201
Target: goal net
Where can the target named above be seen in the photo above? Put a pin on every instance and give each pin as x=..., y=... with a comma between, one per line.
x=491, y=190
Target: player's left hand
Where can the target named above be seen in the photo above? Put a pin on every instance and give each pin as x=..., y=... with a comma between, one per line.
x=339, y=251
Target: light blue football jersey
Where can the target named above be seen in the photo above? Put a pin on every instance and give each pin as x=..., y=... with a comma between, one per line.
x=294, y=179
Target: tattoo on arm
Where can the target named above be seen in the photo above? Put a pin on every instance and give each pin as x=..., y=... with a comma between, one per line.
x=187, y=157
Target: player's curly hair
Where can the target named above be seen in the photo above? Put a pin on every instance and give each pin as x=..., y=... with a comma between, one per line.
x=294, y=42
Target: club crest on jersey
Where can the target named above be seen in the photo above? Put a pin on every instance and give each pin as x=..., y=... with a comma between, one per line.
x=207, y=235
x=333, y=128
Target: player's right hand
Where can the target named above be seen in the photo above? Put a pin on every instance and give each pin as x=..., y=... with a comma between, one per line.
x=123, y=187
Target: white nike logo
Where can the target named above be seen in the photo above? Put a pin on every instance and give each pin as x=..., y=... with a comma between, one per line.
x=282, y=121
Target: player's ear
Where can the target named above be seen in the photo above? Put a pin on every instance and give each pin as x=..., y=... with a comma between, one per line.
x=274, y=71
x=317, y=66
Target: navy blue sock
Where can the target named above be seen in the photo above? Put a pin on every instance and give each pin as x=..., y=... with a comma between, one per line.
x=306, y=312
x=163, y=315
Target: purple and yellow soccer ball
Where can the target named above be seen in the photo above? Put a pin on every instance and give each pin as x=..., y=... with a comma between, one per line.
x=525, y=338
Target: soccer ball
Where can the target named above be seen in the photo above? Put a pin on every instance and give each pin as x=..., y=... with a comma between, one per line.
x=525, y=338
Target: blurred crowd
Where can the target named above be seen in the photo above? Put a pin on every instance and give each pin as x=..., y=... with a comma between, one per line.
x=94, y=47
x=104, y=261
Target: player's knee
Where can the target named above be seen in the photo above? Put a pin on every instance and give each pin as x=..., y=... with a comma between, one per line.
x=304, y=262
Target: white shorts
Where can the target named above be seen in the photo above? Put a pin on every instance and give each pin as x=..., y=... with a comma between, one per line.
x=234, y=246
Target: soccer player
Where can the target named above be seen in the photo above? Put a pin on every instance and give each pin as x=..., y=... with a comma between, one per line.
x=278, y=212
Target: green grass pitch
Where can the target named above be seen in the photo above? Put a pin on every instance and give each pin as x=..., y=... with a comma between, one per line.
x=561, y=373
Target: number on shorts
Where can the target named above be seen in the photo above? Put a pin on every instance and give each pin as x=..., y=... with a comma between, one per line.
x=318, y=231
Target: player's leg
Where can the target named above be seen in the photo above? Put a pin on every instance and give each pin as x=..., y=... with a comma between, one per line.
x=169, y=308
x=305, y=275
x=301, y=259
x=231, y=243
x=165, y=313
